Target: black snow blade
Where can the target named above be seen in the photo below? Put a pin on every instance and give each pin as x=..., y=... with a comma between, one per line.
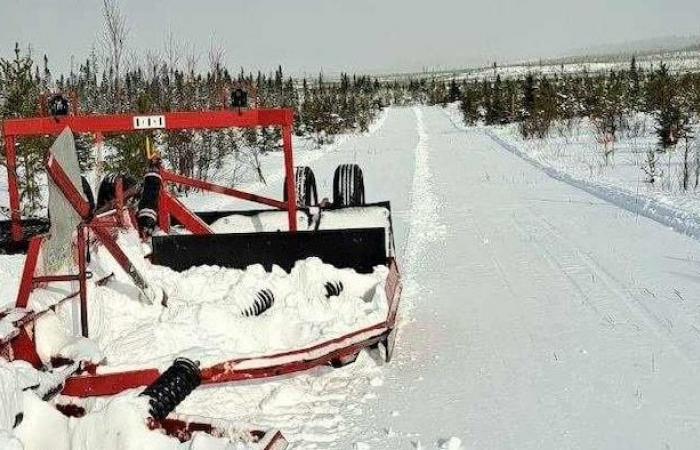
x=360, y=249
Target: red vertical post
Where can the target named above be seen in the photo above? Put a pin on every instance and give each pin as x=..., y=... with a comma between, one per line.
x=291, y=179
x=164, y=210
x=13, y=187
x=27, y=284
x=82, y=279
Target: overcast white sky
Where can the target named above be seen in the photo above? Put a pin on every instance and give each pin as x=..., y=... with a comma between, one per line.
x=352, y=35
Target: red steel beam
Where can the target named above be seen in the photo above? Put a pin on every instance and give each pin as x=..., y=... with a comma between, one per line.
x=171, y=121
x=108, y=384
x=71, y=193
x=172, y=177
x=291, y=179
x=171, y=205
x=55, y=278
x=27, y=284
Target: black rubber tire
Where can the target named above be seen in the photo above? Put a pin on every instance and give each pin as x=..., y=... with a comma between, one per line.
x=305, y=182
x=348, y=186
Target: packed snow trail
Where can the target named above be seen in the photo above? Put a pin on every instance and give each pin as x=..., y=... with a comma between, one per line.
x=542, y=318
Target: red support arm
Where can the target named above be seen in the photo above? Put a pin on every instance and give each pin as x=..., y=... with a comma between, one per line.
x=182, y=214
x=81, y=206
x=164, y=210
x=175, y=178
x=27, y=284
x=121, y=258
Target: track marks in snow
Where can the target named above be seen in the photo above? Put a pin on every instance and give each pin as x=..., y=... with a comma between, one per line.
x=425, y=227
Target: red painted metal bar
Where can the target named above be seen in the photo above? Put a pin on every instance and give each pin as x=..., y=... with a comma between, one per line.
x=172, y=177
x=183, y=215
x=170, y=121
x=291, y=179
x=23, y=347
x=108, y=384
x=393, y=288
x=71, y=193
x=113, y=248
x=27, y=285
x=13, y=187
x=223, y=374
x=55, y=278
x=164, y=211
x=184, y=428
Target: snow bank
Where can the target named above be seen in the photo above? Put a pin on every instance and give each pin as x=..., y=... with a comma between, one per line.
x=660, y=208
x=10, y=275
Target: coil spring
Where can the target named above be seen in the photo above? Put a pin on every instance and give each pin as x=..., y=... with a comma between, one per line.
x=264, y=300
x=333, y=288
x=172, y=387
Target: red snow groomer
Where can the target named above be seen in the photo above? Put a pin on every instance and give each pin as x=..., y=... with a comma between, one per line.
x=288, y=230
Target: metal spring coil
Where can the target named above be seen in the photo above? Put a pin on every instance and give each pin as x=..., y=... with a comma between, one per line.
x=264, y=300
x=172, y=387
x=333, y=288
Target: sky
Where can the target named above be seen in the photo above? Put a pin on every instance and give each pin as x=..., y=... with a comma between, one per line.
x=308, y=36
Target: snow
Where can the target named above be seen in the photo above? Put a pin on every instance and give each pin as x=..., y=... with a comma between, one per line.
x=10, y=274
x=204, y=318
x=534, y=315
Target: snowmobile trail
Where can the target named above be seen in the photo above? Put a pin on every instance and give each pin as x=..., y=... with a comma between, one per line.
x=542, y=317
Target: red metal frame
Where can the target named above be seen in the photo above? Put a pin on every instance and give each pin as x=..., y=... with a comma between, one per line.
x=339, y=350
x=127, y=123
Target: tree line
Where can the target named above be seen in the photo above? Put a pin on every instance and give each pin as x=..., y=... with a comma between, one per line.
x=323, y=109
x=617, y=104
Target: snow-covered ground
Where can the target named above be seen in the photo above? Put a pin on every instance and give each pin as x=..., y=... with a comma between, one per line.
x=575, y=156
x=535, y=315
